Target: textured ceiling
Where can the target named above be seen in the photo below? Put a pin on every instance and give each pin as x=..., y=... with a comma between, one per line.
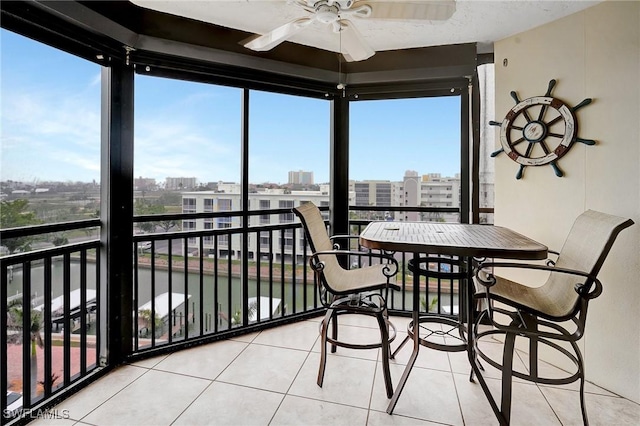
x=479, y=21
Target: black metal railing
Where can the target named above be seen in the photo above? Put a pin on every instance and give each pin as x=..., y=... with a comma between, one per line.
x=188, y=287
x=51, y=319
x=206, y=283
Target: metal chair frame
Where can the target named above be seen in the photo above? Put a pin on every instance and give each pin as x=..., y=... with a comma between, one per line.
x=368, y=299
x=526, y=321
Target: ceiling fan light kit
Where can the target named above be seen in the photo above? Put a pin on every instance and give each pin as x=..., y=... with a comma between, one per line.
x=337, y=14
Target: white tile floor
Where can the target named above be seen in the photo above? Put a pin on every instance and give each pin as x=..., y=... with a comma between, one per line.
x=269, y=378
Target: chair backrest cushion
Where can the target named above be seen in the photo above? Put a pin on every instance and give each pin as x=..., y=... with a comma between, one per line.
x=585, y=249
x=316, y=231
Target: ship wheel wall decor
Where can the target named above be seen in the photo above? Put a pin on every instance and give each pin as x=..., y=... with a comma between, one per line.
x=539, y=131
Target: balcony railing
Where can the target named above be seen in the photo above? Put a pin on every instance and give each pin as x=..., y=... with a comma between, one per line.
x=189, y=287
x=51, y=320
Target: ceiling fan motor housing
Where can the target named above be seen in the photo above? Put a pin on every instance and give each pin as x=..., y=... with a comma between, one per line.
x=327, y=14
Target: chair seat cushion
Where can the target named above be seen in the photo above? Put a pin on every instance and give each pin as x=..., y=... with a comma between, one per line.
x=362, y=279
x=539, y=299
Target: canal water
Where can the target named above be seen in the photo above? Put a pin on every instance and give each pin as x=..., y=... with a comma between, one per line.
x=286, y=298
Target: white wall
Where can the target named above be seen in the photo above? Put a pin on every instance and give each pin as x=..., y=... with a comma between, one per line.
x=592, y=54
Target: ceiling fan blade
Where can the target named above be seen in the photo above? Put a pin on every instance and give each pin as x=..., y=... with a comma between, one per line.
x=354, y=47
x=274, y=37
x=427, y=10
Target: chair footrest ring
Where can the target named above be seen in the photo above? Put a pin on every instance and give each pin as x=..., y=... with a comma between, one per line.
x=460, y=341
x=392, y=335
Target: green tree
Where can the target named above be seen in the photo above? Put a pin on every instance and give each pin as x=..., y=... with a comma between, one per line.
x=166, y=225
x=170, y=199
x=59, y=239
x=14, y=214
x=144, y=207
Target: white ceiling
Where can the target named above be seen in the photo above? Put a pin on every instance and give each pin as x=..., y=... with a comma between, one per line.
x=481, y=21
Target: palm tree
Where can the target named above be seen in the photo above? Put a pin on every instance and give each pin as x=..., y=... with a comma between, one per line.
x=16, y=318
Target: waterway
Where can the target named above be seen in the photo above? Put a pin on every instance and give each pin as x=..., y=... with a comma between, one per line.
x=286, y=298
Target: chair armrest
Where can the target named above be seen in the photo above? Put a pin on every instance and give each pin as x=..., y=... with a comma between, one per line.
x=336, y=246
x=333, y=237
x=390, y=268
x=583, y=289
x=551, y=262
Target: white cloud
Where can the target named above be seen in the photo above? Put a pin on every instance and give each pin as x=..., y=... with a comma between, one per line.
x=51, y=136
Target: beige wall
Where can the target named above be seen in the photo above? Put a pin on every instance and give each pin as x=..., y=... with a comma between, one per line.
x=592, y=54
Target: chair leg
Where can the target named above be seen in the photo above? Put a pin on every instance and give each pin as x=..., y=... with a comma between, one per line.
x=384, y=335
x=507, y=376
x=583, y=406
x=334, y=329
x=323, y=345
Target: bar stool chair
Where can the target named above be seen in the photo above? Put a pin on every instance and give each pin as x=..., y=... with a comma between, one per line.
x=541, y=314
x=348, y=291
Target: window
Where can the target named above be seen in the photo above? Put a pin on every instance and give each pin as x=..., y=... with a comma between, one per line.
x=50, y=148
x=208, y=239
x=362, y=193
x=265, y=219
x=288, y=238
x=286, y=217
x=188, y=205
x=224, y=223
x=414, y=140
x=295, y=140
x=224, y=205
x=186, y=138
x=265, y=240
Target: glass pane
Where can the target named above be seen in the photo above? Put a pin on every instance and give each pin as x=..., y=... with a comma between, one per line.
x=50, y=152
x=289, y=144
x=187, y=150
x=405, y=152
x=187, y=139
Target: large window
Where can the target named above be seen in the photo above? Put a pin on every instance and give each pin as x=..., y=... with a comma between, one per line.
x=50, y=136
x=398, y=146
x=288, y=142
x=187, y=138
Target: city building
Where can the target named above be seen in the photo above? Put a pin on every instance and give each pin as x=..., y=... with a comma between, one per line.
x=431, y=190
x=228, y=198
x=180, y=183
x=300, y=178
x=144, y=184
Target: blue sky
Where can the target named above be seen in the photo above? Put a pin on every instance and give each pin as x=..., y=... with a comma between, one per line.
x=50, y=127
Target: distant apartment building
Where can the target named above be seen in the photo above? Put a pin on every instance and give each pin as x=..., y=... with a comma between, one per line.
x=180, y=183
x=374, y=192
x=265, y=244
x=301, y=178
x=431, y=190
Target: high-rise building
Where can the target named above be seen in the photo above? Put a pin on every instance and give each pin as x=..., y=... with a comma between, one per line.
x=431, y=190
x=180, y=183
x=301, y=177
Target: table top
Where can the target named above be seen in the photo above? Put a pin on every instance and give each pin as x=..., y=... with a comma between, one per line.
x=452, y=239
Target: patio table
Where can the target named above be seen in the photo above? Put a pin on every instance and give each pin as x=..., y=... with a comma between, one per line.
x=466, y=241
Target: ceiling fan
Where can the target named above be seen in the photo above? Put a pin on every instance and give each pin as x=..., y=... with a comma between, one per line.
x=336, y=14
